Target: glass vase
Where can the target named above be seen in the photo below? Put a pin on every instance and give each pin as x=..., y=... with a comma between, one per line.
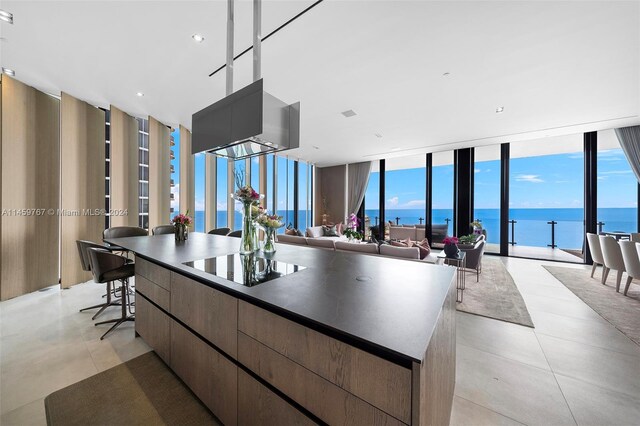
x=249, y=235
x=181, y=232
x=269, y=245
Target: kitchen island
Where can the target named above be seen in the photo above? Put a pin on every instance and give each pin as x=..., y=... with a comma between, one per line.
x=304, y=336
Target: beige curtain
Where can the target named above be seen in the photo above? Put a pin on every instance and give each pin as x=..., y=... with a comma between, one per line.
x=629, y=138
x=358, y=181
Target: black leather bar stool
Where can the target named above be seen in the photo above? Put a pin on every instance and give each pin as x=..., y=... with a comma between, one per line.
x=105, y=267
x=85, y=261
x=220, y=231
x=163, y=229
x=236, y=234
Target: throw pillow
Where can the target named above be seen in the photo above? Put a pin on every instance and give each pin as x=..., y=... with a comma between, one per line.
x=298, y=233
x=408, y=242
x=289, y=231
x=340, y=228
x=424, y=248
x=330, y=231
x=398, y=243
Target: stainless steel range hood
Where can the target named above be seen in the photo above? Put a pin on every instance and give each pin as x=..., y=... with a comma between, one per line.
x=247, y=123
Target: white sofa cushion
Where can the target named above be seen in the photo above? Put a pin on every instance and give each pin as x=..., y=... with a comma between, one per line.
x=314, y=231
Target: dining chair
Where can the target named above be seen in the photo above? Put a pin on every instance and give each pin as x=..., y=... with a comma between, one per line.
x=219, y=231
x=163, y=230
x=612, y=256
x=631, y=262
x=635, y=237
x=596, y=252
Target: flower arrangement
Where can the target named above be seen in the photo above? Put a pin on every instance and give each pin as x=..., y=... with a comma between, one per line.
x=352, y=228
x=244, y=193
x=257, y=210
x=272, y=221
x=182, y=219
x=450, y=241
x=476, y=224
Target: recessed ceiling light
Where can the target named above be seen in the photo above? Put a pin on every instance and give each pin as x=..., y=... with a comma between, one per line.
x=499, y=110
x=8, y=71
x=446, y=74
x=6, y=16
x=198, y=38
x=378, y=135
x=349, y=113
x=139, y=94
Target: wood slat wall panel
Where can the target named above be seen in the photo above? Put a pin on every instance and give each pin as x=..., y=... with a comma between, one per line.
x=124, y=167
x=187, y=174
x=82, y=150
x=159, y=174
x=30, y=170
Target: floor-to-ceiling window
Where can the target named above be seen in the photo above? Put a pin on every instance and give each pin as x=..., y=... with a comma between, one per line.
x=143, y=172
x=546, y=197
x=199, y=187
x=270, y=180
x=175, y=175
x=222, y=192
x=304, y=211
x=255, y=173
x=405, y=188
x=372, y=202
x=486, y=191
x=442, y=195
x=617, y=187
x=282, y=194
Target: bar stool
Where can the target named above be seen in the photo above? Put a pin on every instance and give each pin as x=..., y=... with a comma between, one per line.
x=163, y=229
x=236, y=234
x=105, y=267
x=123, y=232
x=219, y=231
x=83, y=247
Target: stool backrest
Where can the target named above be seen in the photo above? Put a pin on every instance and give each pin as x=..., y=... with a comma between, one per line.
x=236, y=234
x=163, y=229
x=83, y=247
x=220, y=231
x=124, y=231
x=103, y=261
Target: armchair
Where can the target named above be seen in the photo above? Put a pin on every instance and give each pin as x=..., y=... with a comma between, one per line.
x=474, y=257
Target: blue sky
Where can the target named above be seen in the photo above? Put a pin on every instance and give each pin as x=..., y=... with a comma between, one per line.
x=550, y=181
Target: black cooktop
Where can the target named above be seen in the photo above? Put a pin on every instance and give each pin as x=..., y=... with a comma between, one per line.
x=246, y=269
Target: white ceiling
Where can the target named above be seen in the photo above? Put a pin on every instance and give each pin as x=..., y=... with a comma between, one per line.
x=557, y=67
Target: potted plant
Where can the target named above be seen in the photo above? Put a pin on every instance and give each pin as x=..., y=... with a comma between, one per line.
x=477, y=227
x=451, y=246
x=352, y=228
x=467, y=241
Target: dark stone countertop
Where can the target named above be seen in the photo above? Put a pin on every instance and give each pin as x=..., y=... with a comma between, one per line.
x=392, y=315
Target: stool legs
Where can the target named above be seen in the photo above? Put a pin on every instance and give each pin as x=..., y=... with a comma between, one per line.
x=124, y=289
x=103, y=306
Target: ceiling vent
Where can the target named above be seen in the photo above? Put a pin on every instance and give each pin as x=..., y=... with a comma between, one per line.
x=349, y=113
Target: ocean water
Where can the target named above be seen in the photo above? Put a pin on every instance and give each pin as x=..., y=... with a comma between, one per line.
x=531, y=228
x=287, y=217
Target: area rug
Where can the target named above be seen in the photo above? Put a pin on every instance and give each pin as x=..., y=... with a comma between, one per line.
x=142, y=391
x=623, y=312
x=495, y=295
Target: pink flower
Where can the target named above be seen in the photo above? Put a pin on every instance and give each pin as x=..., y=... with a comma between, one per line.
x=450, y=240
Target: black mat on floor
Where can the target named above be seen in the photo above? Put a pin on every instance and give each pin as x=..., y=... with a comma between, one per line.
x=142, y=391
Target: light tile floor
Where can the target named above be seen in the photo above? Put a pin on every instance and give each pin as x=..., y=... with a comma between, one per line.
x=573, y=368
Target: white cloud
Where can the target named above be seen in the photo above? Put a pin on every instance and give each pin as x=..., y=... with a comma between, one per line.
x=414, y=204
x=477, y=170
x=529, y=178
x=199, y=204
x=392, y=202
x=616, y=172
